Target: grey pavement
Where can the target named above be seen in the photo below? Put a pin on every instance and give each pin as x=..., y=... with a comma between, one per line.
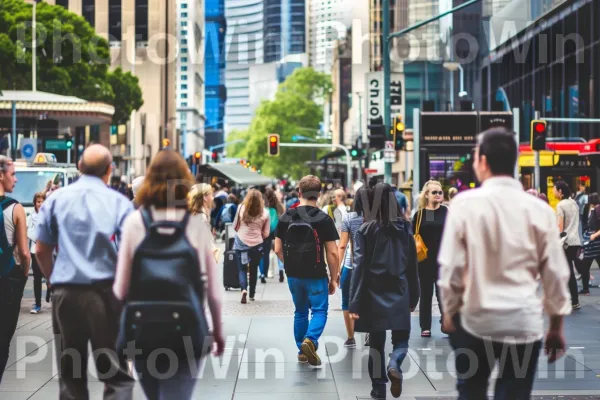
x=260, y=358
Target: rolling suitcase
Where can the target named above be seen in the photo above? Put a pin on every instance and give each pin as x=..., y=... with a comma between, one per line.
x=231, y=278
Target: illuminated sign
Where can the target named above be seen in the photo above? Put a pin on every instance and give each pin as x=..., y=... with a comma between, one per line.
x=449, y=128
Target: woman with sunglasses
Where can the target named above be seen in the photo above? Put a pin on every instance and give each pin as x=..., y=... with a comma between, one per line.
x=429, y=223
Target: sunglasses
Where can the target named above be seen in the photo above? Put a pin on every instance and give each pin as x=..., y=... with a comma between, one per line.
x=435, y=192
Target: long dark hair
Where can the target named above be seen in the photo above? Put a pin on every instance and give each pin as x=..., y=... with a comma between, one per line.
x=384, y=206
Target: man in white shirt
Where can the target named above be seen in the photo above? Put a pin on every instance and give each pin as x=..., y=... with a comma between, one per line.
x=340, y=212
x=492, y=251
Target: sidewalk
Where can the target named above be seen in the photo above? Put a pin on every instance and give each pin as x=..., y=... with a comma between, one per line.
x=260, y=360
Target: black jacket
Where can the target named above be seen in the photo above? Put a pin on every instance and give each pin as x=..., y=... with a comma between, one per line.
x=385, y=282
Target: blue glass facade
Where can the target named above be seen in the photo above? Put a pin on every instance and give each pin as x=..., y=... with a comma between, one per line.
x=285, y=28
x=215, y=93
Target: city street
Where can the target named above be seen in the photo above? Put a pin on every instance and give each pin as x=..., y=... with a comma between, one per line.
x=260, y=360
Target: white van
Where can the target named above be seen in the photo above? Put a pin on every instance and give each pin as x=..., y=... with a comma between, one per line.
x=34, y=177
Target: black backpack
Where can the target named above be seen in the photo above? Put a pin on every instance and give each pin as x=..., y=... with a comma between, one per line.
x=302, y=248
x=7, y=259
x=164, y=308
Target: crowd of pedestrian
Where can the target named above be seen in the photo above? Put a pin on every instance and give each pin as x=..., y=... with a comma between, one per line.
x=143, y=268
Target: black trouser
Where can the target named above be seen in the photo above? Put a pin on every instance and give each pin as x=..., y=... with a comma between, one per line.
x=584, y=270
x=82, y=314
x=476, y=358
x=11, y=293
x=378, y=357
x=37, y=280
x=428, y=273
x=571, y=253
x=254, y=257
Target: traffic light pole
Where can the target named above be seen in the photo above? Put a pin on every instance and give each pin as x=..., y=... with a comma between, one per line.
x=387, y=37
x=387, y=118
x=328, y=146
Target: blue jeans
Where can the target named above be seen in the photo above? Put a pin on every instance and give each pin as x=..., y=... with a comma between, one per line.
x=178, y=384
x=345, y=286
x=309, y=294
x=515, y=378
x=377, y=356
x=264, y=262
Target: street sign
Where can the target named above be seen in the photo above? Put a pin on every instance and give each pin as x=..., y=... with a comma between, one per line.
x=374, y=95
x=389, y=145
x=55, y=144
x=389, y=155
x=28, y=148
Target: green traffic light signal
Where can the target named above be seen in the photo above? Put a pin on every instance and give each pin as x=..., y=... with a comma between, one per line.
x=69, y=143
x=354, y=152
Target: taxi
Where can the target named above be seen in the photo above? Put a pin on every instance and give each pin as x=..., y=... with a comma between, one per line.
x=44, y=172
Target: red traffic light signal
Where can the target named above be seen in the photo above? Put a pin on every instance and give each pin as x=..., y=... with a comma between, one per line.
x=538, y=135
x=273, y=144
x=214, y=157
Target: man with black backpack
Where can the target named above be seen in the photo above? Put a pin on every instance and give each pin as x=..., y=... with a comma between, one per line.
x=306, y=236
x=13, y=270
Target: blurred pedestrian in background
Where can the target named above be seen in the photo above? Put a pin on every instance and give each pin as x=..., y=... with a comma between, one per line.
x=32, y=219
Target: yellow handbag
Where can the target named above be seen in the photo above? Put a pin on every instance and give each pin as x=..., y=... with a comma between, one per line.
x=421, y=247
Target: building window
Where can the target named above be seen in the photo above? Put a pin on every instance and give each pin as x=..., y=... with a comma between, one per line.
x=184, y=104
x=184, y=77
x=114, y=20
x=184, y=86
x=141, y=20
x=63, y=3
x=184, y=15
x=184, y=59
x=88, y=11
x=184, y=68
x=183, y=33
x=184, y=5
x=184, y=50
x=183, y=24
x=184, y=95
x=183, y=41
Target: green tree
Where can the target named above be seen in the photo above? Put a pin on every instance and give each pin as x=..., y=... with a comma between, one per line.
x=71, y=59
x=296, y=110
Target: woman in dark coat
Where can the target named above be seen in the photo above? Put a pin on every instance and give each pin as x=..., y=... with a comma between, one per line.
x=384, y=287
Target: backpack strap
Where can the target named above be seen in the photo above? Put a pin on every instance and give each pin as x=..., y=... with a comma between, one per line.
x=185, y=220
x=147, y=217
x=7, y=202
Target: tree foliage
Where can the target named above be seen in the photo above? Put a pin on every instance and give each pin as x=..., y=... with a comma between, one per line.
x=296, y=110
x=71, y=59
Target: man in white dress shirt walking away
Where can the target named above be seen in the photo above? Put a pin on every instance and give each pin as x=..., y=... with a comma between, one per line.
x=492, y=251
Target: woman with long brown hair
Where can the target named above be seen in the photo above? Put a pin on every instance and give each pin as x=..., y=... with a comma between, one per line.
x=163, y=199
x=275, y=209
x=252, y=225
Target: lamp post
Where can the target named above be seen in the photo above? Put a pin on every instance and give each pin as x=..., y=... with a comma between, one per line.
x=34, y=47
x=453, y=67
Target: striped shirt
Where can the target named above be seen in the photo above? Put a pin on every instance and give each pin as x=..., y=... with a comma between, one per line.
x=351, y=224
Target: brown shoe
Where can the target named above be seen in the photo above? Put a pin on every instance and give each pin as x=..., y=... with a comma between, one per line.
x=302, y=359
x=244, y=295
x=396, y=382
x=310, y=351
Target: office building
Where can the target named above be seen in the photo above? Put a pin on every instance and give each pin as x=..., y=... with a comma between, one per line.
x=245, y=41
x=215, y=93
x=190, y=76
x=119, y=21
x=285, y=29
x=328, y=21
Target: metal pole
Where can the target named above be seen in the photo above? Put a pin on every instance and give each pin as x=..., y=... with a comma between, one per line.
x=387, y=118
x=416, y=152
x=13, y=144
x=451, y=90
x=133, y=120
x=184, y=143
x=462, y=80
x=536, y=171
x=337, y=146
x=517, y=130
x=360, y=135
x=69, y=155
x=573, y=120
x=34, y=49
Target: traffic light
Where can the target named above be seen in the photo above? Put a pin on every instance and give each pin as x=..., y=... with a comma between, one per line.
x=214, y=157
x=69, y=142
x=377, y=135
x=166, y=143
x=197, y=158
x=538, y=135
x=398, y=131
x=356, y=152
x=273, y=144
